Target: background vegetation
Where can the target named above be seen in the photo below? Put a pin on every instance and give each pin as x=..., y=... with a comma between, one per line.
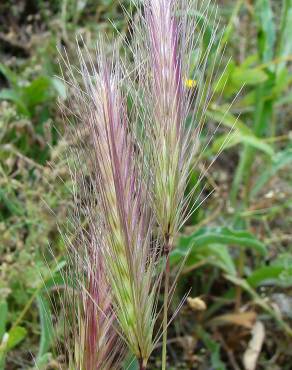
x=239, y=269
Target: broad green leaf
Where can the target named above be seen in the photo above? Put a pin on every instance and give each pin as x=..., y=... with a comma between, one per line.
x=47, y=330
x=235, y=77
x=271, y=275
x=250, y=77
x=213, y=254
x=9, y=341
x=279, y=273
x=39, y=91
x=15, y=336
x=246, y=102
x=222, y=235
x=3, y=317
x=210, y=246
x=249, y=61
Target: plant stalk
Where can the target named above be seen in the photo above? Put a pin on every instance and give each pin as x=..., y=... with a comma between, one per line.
x=264, y=110
x=241, y=262
x=165, y=304
x=142, y=365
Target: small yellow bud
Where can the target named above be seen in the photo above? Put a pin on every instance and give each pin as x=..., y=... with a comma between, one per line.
x=196, y=304
x=191, y=83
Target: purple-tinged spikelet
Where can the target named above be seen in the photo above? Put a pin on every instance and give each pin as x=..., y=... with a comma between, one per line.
x=100, y=337
x=91, y=339
x=167, y=36
x=120, y=200
x=168, y=91
x=165, y=40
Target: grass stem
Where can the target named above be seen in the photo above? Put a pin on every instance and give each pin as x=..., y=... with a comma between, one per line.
x=165, y=310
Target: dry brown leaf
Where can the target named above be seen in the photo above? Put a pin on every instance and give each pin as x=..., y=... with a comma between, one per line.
x=254, y=348
x=245, y=319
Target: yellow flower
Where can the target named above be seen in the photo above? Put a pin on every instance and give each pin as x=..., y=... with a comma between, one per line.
x=191, y=83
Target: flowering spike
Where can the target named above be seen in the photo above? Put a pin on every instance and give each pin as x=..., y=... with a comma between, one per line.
x=164, y=67
x=120, y=198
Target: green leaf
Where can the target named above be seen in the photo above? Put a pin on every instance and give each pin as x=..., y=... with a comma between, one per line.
x=43, y=362
x=222, y=116
x=130, y=363
x=249, y=61
x=271, y=275
x=235, y=77
x=284, y=44
x=60, y=87
x=210, y=246
x=280, y=160
x=282, y=82
x=11, y=77
x=15, y=336
x=250, y=77
x=223, y=83
x=39, y=91
x=11, y=202
x=223, y=235
x=257, y=143
x=3, y=317
x=15, y=97
x=47, y=330
x=214, y=254
x=56, y=280
x=266, y=29
x=279, y=273
x=227, y=141
x=242, y=133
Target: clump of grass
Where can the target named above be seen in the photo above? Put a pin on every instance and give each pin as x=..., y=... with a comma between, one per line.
x=135, y=183
x=120, y=197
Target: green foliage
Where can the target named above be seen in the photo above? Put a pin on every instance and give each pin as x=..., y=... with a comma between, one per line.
x=10, y=340
x=214, y=349
x=209, y=245
x=47, y=330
